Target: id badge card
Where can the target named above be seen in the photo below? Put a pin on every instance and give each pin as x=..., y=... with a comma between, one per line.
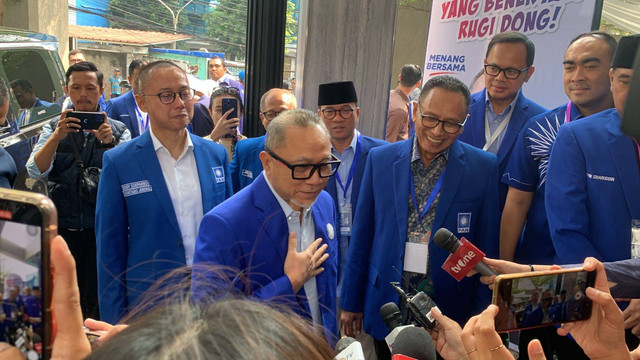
x=345, y=219
x=635, y=239
x=416, y=253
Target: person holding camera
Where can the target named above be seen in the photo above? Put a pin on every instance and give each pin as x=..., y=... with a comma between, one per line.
x=69, y=157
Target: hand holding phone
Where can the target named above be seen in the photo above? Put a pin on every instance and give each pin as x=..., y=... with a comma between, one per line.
x=89, y=120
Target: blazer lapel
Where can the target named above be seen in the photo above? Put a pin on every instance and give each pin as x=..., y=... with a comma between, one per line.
x=150, y=166
x=477, y=111
x=205, y=175
x=130, y=103
x=272, y=219
x=453, y=173
x=518, y=118
x=322, y=280
x=624, y=159
x=401, y=184
x=357, y=175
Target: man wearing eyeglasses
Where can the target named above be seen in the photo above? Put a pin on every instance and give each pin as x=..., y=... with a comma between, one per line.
x=498, y=113
x=153, y=193
x=280, y=231
x=246, y=164
x=410, y=189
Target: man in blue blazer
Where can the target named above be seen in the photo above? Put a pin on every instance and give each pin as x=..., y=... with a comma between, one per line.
x=337, y=106
x=409, y=190
x=153, y=193
x=246, y=164
x=124, y=108
x=279, y=231
x=593, y=180
x=498, y=113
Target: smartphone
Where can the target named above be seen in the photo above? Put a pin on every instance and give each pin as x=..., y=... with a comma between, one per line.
x=230, y=103
x=28, y=221
x=529, y=300
x=88, y=120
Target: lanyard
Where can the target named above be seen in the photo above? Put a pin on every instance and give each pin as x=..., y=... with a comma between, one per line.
x=635, y=142
x=351, y=171
x=412, y=129
x=490, y=139
x=430, y=200
x=567, y=114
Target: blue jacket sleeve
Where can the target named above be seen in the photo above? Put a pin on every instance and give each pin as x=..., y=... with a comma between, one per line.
x=357, y=267
x=488, y=235
x=234, y=168
x=566, y=200
x=112, y=242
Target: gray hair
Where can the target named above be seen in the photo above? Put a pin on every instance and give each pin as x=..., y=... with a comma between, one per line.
x=263, y=99
x=276, y=133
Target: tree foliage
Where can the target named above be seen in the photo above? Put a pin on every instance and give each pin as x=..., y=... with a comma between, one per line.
x=148, y=14
x=228, y=22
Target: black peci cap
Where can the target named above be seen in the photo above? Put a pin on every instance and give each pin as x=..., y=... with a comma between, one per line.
x=626, y=52
x=337, y=93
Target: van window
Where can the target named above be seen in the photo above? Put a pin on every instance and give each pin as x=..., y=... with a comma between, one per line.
x=34, y=92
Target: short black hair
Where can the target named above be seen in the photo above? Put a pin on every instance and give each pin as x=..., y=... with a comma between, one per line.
x=410, y=75
x=137, y=63
x=82, y=67
x=4, y=93
x=610, y=40
x=23, y=84
x=514, y=37
x=224, y=63
x=449, y=83
x=145, y=72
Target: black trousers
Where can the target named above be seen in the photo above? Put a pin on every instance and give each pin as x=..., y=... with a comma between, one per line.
x=82, y=245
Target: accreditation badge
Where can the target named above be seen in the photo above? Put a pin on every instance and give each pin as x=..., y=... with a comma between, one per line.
x=345, y=219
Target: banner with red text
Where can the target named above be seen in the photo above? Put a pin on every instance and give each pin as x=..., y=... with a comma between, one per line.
x=460, y=30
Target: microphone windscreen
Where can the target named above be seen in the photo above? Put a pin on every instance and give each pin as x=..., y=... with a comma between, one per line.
x=391, y=315
x=344, y=343
x=414, y=342
x=446, y=240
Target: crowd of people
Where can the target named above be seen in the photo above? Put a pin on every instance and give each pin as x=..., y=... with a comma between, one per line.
x=316, y=218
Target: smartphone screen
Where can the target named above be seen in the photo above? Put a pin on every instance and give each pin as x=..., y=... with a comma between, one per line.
x=541, y=300
x=88, y=120
x=24, y=233
x=230, y=103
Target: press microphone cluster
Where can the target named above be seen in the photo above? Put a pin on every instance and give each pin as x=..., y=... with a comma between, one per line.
x=349, y=349
x=464, y=256
x=413, y=343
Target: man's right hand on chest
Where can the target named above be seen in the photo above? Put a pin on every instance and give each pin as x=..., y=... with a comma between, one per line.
x=302, y=266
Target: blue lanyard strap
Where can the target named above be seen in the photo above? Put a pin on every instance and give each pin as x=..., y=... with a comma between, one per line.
x=144, y=122
x=351, y=171
x=430, y=200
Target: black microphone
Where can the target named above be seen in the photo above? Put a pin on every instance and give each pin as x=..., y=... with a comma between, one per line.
x=416, y=343
x=391, y=315
x=344, y=343
x=450, y=243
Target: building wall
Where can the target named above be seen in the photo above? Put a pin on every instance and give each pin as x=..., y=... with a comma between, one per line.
x=349, y=40
x=44, y=16
x=411, y=37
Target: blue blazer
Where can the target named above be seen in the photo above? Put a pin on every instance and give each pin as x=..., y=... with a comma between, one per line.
x=138, y=237
x=593, y=190
x=470, y=185
x=246, y=164
x=473, y=133
x=123, y=108
x=249, y=233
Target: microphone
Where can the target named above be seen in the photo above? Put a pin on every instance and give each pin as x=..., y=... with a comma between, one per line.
x=392, y=317
x=414, y=343
x=349, y=348
x=464, y=256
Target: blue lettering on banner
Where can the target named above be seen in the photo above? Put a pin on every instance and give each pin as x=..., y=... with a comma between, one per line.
x=135, y=188
x=218, y=173
x=464, y=222
x=446, y=62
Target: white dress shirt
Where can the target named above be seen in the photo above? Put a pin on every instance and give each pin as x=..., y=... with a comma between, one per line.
x=183, y=183
x=305, y=232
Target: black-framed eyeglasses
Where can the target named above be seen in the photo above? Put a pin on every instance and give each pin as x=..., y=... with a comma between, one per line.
x=168, y=97
x=449, y=127
x=225, y=90
x=270, y=115
x=306, y=171
x=330, y=113
x=509, y=73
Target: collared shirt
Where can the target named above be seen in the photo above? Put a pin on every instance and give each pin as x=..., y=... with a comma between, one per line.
x=495, y=119
x=183, y=183
x=305, y=232
x=346, y=160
